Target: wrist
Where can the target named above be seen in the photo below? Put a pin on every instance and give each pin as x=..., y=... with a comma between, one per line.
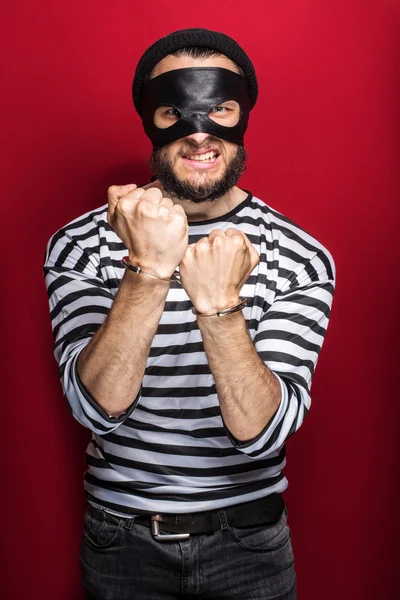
x=158, y=269
x=151, y=283
x=206, y=306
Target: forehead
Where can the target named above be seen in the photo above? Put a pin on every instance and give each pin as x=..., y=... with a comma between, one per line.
x=170, y=62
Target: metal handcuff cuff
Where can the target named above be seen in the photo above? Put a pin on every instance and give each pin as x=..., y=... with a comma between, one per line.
x=175, y=277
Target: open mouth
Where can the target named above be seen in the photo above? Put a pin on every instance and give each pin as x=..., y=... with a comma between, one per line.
x=202, y=159
x=210, y=156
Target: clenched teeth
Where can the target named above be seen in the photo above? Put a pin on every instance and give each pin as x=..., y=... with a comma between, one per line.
x=205, y=156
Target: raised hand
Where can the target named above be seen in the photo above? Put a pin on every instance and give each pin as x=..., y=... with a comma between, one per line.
x=154, y=230
x=214, y=270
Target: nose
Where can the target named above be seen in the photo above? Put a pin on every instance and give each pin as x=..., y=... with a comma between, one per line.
x=198, y=137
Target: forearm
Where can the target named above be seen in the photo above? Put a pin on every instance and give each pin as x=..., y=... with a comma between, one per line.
x=112, y=365
x=248, y=392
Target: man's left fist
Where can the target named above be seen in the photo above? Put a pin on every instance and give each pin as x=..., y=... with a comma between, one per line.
x=214, y=270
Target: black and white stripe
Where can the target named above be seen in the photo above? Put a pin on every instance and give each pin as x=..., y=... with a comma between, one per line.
x=171, y=452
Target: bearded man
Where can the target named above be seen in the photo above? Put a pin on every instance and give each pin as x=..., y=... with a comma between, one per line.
x=188, y=317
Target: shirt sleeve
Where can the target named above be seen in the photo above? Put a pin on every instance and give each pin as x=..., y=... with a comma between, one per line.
x=288, y=340
x=79, y=301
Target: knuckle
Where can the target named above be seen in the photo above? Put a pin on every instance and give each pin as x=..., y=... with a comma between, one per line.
x=179, y=209
x=163, y=212
x=153, y=193
x=136, y=194
x=181, y=216
x=218, y=240
x=124, y=205
x=237, y=240
x=167, y=202
x=114, y=192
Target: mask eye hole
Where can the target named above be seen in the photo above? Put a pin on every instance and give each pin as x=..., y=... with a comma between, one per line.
x=165, y=116
x=226, y=114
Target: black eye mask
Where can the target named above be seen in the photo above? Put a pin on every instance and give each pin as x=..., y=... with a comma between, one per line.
x=194, y=92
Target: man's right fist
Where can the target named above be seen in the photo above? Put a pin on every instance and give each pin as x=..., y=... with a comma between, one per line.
x=153, y=228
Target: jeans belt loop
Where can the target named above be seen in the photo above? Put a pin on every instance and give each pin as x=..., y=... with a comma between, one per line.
x=223, y=520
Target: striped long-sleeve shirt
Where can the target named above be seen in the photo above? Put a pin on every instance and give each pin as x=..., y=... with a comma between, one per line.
x=171, y=452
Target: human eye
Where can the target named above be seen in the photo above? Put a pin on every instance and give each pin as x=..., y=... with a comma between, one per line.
x=172, y=112
x=226, y=114
x=220, y=109
x=165, y=116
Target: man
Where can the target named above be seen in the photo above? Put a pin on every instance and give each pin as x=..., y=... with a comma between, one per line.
x=188, y=317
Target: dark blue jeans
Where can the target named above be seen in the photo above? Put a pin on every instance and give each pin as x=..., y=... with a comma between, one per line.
x=120, y=560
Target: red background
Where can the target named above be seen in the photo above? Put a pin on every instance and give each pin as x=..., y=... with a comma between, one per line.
x=324, y=147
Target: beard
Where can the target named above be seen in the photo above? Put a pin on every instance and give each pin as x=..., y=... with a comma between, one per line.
x=207, y=191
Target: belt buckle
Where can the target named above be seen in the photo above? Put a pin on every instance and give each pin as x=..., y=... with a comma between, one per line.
x=165, y=537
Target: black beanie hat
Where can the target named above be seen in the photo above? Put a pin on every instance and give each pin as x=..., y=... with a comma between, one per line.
x=185, y=38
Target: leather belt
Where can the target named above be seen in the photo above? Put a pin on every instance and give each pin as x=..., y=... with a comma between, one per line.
x=174, y=527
